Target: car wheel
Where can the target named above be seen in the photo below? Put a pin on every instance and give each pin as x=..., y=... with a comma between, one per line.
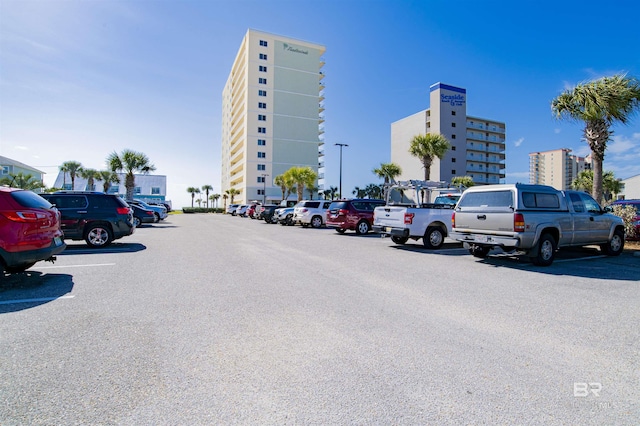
x=340, y=230
x=399, y=240
x=479, y=251
x=19, y=268
x=157, y=217
x=289, y=220
x=362, y=227
x=546, y=251
x=136, y=221
x=316, y=221
x=615, y=246
x=98, y=236
x=433, y=238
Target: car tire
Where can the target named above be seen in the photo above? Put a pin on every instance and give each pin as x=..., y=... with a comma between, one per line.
x=479, y=251
x=362, y=227
x=136, y=221
x=616, y=245
x=399, y=240
x=546, y=251
x=289, y=220
x=156, y=218
x=340, y=230
x=98, y=236
x=433, y=238
x=316, y=222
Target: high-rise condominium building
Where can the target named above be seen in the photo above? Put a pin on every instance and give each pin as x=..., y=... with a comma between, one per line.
x=477, y=144
x=272, y=118
x=557, y=168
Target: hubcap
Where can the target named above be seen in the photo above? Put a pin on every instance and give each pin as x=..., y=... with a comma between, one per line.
x=546, y=250
x=435, y=238
x=98, y=236
x=616, y=243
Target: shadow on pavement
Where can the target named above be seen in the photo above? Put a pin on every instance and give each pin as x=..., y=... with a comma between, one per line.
x=32, y=288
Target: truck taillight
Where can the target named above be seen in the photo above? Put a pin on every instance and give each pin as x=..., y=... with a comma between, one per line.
x=518, y=222
x=123, y=210
x=453, y=220
x=408, y=218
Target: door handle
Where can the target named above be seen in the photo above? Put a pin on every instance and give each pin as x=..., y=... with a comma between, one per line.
x=482, y=217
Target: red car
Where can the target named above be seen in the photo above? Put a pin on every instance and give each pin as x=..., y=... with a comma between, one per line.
x=355, y=214
x=29, y=230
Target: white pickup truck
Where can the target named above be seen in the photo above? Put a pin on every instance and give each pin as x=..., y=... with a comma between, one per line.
x=411, y=213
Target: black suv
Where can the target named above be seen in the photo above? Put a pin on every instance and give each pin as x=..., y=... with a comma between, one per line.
x=95, y=217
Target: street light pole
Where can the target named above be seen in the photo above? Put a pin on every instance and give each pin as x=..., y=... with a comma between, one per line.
x=341, y=145
x=264, y=188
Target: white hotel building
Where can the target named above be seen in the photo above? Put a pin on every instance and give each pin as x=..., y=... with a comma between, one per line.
x=478, y=146
x=271, y=114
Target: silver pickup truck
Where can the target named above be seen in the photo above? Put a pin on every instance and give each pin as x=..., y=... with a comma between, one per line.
x=534, y=220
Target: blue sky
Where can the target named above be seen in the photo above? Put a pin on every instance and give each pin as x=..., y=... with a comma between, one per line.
x=81, y=79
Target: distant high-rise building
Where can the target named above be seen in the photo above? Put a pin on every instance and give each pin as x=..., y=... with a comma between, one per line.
x=477, y=144
x=272, y=117
x=557, y=168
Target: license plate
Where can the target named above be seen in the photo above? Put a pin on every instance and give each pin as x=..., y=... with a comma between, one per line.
x=483, y=238
x=57, y=241
x=388, y=229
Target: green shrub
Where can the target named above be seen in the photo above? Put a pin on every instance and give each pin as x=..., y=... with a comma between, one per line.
x=628, y=214
x=201, y=210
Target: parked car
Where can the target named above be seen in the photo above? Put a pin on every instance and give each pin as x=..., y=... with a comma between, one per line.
x=636, y=222
x=142, y=215
x=231, y=209
x=160, y=212
x=252, y=210
x=29, y=230
x=241, y=210
x=95, y=217
x=284, y=216
x=355, y=215
x=266, y=212
x=533, y=220
x=311, y=212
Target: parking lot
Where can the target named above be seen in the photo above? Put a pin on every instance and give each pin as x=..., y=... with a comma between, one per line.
x=213, y=319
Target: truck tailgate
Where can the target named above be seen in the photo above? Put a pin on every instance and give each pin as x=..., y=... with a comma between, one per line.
x=391, y=216
x=484, y=222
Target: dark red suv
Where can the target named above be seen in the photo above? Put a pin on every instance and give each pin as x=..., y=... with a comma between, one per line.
x=29, y=230
x=352, y=214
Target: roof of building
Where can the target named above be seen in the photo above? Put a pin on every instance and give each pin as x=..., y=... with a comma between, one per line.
x=4, y=161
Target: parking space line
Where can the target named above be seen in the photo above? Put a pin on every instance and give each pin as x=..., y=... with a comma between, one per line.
x=77, y=266
x=40, y=299
x=579, y=258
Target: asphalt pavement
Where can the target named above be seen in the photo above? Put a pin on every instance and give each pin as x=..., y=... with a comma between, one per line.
x=210, y=319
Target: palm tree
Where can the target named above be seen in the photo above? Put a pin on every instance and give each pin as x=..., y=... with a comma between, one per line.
x=224, y=198
x=108, y=177
x=73, y=168
x=232, y=192
x=333, y=190
x=130, y=162
x=20, y=180
x=583, y=182
x=214, y=199
x=301, y=177
x=90, y=175
x=466, y=181
x=389, y=172
x=373, y=191
x=64, y=171
x=599, y=104
x=426, y=148
x=311, y=189
x=206, y=189
x=193, y=191
x=359, y=193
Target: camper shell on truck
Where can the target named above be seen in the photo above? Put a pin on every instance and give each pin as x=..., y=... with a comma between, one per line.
x=417, y=209
x=534, y=220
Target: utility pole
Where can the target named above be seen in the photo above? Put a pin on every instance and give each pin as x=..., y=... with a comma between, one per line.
x=341, y=145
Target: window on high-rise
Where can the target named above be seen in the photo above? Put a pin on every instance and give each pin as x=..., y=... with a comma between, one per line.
x=262, y=80
x=260, y=179
x=262, y=93
x=263, y=43
x=263, y=56
x=453, y=136
x=262, y=117
x=453, y=124
x=262, y=105
x=453, y=113
x=262, y=68
x=262, y=142
x=262, y=167
x=262, y=130
x=262, y=155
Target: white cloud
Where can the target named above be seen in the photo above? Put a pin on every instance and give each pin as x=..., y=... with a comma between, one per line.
x=518, y=142
x=21, y=148
x=557, y=131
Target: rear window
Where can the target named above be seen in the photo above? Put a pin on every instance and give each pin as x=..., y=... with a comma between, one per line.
x=68, y=201
x=311, y=204
x=487, y=199
x=107, y=202
x=540, y=200
x=337, y=205
x=30, y=199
